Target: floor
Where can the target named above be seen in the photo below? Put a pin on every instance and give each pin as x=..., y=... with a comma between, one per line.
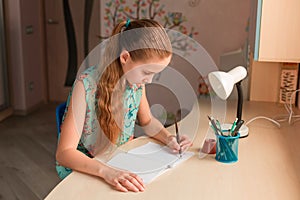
x=27, y=155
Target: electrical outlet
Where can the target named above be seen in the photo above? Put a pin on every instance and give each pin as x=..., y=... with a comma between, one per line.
x=288, y=83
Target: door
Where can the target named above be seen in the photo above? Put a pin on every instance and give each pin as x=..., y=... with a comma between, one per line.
x=72, y=30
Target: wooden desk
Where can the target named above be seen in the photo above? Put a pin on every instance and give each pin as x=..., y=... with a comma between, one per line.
x=268, y=167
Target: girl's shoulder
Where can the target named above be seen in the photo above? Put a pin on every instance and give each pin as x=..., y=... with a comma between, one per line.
x=89, y=73
x=89, y=77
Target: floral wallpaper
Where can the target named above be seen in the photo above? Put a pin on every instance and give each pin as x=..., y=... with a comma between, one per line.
x=115, y=11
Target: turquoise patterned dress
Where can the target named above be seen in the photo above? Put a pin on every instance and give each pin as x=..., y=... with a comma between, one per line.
x=132, y=97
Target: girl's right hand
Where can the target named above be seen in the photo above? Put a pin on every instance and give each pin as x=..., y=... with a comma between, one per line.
x=123, y=180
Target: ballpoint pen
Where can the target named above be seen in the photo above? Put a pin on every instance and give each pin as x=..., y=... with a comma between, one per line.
x=219, y=127
x=237, y=127
x=233, y=126
x=213, y=123
x=177, y=137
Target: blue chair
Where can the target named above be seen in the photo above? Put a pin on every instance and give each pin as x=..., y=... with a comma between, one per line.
x=60, y=110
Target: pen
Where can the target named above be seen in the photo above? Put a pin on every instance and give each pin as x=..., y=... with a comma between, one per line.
x=237, y=128
x=233, y=126
x=217, y=130
x=177, y=137
x=219, y=125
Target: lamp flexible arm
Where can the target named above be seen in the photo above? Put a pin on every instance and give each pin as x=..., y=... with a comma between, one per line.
x=240, y=100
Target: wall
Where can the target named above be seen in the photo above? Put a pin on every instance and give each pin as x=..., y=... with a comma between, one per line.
x=25, y=54
x=222, y=27
x=221, y=24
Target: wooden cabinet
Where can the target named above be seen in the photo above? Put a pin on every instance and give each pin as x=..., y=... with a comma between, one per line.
x=277, y=31
x=264, y=84
x=269, y=81
x=275, y=41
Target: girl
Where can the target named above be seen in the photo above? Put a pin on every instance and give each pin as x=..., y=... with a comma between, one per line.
x=131, y=61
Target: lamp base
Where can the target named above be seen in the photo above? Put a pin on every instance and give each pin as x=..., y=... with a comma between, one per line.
x=244, y=130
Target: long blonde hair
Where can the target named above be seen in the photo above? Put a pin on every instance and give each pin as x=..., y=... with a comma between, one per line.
x=156, y=44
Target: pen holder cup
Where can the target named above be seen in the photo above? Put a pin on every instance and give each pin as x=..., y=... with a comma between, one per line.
x=227, y=148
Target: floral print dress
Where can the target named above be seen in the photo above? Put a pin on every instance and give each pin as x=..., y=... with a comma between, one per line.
x=132, y=97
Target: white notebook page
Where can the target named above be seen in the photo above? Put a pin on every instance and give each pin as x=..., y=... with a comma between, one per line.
x=148, y=161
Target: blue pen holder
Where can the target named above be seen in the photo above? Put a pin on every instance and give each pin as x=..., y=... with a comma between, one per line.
x=227, y=148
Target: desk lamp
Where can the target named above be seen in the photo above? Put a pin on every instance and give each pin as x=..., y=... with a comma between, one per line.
x=223, y=83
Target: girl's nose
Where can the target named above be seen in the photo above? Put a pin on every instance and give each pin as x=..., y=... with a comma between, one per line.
x=148, y=79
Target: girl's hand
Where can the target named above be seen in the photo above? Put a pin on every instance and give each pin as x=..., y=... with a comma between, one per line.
x=184, y=143
x=123, y=180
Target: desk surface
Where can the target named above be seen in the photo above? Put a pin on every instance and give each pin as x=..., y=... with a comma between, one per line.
x=268, y=167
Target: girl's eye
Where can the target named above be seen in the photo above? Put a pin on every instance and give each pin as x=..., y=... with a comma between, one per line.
x=148, y=73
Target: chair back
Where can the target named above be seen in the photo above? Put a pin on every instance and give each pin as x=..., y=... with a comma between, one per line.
x=60, y=110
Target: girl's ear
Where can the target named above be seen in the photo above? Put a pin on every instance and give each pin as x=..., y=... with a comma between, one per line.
x=124, y=57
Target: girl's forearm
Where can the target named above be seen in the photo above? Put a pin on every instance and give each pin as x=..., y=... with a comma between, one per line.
x=163, y=136
x=156, y=130
x=120, y=179
x=78, y=161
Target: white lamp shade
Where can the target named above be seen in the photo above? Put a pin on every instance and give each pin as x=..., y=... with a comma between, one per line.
x=223, y=83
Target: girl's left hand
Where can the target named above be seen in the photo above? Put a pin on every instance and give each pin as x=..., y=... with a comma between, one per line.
x=184, y=143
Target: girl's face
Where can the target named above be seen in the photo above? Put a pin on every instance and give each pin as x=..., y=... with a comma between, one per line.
x=141, y=72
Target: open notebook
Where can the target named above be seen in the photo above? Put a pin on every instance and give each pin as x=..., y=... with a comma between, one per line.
x=148, y=161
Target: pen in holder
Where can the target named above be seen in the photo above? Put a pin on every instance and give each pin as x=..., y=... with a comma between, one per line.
x=227, y=148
